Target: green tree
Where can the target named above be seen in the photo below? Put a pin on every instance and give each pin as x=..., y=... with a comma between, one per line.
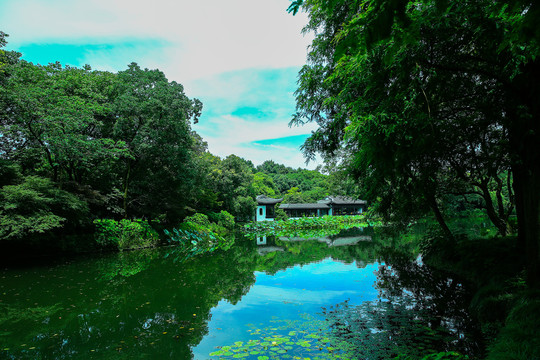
x=294, y=196
x=420, y=96
x=235, y=187
x=36, y=206
x=263, y=184
x=51, y=121
x=152, y=118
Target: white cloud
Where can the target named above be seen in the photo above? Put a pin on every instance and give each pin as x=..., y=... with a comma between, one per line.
x=232, y=135
x=205, y=37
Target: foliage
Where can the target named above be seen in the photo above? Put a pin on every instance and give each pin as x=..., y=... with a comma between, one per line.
x=263, y=184
x=151, y=116
x=220, y=223
x=281, y=215
x=500, y=302
x=227, y=184
x=199, y=219
x=125, y=234
x=223, y=220
x=519, y=338
x=322, y=222
x=298, y=185
x=117, y=143
x=379, y=73
x=36, y=206
x=193, y=239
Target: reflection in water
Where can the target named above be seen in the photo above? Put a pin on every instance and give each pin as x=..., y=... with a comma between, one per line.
x=145, y=304
x=419, y=311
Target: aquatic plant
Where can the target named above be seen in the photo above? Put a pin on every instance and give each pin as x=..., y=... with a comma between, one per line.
x=194, y=239
x=291, y=226
x=125, y=234
x=285, y=339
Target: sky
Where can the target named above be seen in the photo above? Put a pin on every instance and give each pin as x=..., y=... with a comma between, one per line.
x=239, y=57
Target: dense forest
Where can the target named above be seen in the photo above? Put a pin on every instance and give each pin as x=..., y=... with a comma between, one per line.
x=79, y=144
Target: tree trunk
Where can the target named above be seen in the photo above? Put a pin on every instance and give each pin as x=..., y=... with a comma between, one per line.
x=498, y=221
x=126, y=187
x=527, y=192
x=439, y=217
x=524, y=136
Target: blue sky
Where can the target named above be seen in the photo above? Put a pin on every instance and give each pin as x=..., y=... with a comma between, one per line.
x=239, y=57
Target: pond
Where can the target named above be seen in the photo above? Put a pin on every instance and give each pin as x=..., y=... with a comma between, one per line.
x=339, y=296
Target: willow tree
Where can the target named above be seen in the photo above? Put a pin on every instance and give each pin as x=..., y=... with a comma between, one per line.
x=428, y=98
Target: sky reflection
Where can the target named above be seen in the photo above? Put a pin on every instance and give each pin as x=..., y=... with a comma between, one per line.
x=287, y=295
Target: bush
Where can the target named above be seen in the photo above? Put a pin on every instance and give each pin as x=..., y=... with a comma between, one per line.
x=220, y=223
x=107, y=232
x=281, y=215
x=198, y=218
x=125, y=235
x=223, y=219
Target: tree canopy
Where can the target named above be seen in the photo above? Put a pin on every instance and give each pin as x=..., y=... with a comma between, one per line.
x=427, y=100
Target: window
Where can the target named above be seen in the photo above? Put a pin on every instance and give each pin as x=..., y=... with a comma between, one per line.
x=260, y=211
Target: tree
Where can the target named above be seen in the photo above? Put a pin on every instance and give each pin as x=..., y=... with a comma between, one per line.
x=36, y=206
x=458, y=73
x=235, y=187
x=51, y=121
x=152, y=118
x=263, y=184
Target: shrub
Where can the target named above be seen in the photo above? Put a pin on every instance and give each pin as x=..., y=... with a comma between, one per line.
x=125, y=235
x=281, y=215
x=225, y=220
x=107, y=232
x=519, y=338
x=198, y=218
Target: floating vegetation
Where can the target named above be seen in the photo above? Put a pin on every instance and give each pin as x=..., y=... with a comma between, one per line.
x=308, y=226
x=194, y=239
x=308, y=338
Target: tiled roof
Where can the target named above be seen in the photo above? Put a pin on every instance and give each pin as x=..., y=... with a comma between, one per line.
x=265, y=200
x=343, y=200
x=304, y=206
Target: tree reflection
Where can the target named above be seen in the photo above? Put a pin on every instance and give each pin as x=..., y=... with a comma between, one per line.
x=419, y=311
x=127, y=305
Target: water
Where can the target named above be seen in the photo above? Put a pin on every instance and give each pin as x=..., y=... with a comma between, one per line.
x=148, y=305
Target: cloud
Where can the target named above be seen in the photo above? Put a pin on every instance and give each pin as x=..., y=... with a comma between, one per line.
x=267, y=295
x=233, y=135
x=207, y=37
x=110, y=56
x=247, y=113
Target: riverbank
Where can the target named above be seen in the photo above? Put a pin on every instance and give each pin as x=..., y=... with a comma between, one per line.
x=507, y=310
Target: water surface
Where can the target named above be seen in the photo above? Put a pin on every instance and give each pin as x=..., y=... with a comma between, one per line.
x=148, y=304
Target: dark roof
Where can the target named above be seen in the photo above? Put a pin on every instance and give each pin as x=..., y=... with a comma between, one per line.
x=343, y=200
x=265, y=200
x=304, y=206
